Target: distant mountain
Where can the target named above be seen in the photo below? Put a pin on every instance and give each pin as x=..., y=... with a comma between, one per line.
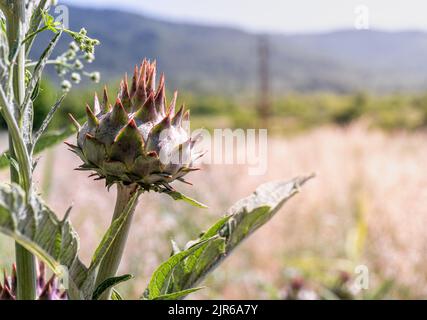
x=219, y=59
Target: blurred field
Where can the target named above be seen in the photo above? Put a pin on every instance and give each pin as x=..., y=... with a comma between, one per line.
x=365, y=178
x=291, y=112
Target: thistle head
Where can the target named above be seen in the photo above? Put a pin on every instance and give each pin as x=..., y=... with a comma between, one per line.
x=139, y=137
x=46, y=290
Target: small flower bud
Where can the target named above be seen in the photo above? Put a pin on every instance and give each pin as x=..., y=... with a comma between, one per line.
x=90, y=49
x=60, y=70
x=95, y=76
x=78, y=65
x=89, y=57
x=66, y=85
x=70, y=54
x=73, y=46
x=75, y=77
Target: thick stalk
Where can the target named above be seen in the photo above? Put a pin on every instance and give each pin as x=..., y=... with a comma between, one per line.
x=111, y=261
x=25, y=261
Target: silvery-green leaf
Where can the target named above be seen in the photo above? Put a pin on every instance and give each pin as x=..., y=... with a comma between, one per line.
x=37, y=228
x=241, y=220
x=27, y=105
x=162, y=277
x=38, y=71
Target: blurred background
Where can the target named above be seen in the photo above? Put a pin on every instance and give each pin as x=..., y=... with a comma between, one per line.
x=341, y=87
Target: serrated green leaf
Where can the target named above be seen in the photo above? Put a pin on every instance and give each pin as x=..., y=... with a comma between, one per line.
x=33, y=225
x=27, y=105
x=241, y=220
x=109, y=283
x=179, y=196
x=210, y=251
x=161, y=278
x=37, y=228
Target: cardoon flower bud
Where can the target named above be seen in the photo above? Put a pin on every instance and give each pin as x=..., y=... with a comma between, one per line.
x=45, y=290
x=138, y=139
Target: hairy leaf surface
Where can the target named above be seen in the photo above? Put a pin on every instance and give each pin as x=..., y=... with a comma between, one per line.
x=241, y=220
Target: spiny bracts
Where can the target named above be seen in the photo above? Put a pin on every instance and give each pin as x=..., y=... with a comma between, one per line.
x=138, y=139
x=45, y=290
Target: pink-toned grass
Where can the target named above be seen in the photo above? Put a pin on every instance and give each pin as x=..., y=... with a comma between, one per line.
x=379, y=176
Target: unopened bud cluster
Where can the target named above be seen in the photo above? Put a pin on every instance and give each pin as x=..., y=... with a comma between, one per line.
x=72, y=62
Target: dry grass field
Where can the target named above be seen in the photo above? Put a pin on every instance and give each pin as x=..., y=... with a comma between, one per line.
x=367, y=205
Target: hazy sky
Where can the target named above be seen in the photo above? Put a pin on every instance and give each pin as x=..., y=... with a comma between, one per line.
x=279, y=15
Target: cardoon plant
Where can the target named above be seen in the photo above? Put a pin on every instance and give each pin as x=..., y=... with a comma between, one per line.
x=137, y=143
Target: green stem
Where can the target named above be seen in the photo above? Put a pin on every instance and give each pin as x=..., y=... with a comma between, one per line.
x=34, y=63
x=25, y=261
x=111, y=261
x=26, y=273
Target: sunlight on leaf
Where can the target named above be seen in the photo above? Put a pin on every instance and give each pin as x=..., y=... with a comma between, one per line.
x=186, y=269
